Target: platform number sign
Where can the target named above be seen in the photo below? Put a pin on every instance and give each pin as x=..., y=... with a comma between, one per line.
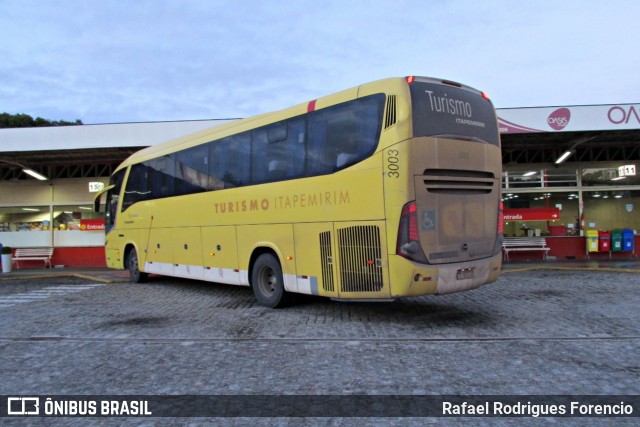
x=627, y=170
x=94, y=187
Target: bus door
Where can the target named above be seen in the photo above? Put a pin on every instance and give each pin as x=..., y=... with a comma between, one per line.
x=113, y=237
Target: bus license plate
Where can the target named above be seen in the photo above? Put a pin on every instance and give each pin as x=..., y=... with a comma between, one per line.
x=465, y=273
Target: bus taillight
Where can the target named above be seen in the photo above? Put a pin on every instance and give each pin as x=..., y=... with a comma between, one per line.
x=485, y=96
x=410, y=79
x=408, y=245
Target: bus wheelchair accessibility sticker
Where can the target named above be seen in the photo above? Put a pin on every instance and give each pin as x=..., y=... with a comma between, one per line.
x=428, y=220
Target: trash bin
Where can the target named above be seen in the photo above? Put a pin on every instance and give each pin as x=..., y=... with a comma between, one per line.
x=592, y=240
x=616, y=240
x=627, y=240
x=6, y=259
x=604, y=241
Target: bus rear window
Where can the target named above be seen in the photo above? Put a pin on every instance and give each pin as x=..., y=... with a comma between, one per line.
x=440, y=109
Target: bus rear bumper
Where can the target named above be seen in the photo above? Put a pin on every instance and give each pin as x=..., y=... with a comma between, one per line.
x=442, y=279
x=470, y=275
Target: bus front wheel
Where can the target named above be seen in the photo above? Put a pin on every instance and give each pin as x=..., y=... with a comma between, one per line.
x=267, y=282
x=135, y=275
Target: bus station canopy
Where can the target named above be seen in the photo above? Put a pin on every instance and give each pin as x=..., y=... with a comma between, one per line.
x=536, y=135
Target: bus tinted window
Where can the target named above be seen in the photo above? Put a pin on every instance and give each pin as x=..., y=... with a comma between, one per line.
x=153, y=179
x=113, y=196
x=230, y=161
x=136, y=189
x=344, y=134
x=440, y=109
x=278, y=151
x=339, y=136
x=192, y=170
x=161, y=176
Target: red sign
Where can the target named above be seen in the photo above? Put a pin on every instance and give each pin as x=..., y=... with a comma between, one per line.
x=92, y=224
x=531, y=214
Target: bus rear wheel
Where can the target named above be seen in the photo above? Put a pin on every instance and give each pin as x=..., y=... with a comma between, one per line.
x=267, y=282
x=135, y=275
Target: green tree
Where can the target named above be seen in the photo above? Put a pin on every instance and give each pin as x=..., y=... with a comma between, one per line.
x=26, y=121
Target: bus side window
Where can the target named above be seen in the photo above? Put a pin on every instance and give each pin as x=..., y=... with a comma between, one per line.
x=278, y=151
x=192, y=170
x=136, y=189
x=317, y=161
x=258, y=156
x=344, y=141
x=268, y=163
x=344, y=134
x=331, y=144
x=296, y=151
x=229, y=165
x=368, y=118
x=153, y=179
x=161, y=177
x=358, y=136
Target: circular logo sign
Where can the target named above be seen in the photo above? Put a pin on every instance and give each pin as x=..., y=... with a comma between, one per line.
x=559, y=118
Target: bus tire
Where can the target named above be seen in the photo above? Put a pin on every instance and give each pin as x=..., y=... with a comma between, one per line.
x=267, y=282
x=135, y=275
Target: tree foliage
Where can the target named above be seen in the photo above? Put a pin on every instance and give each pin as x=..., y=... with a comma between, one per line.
x=26, y=121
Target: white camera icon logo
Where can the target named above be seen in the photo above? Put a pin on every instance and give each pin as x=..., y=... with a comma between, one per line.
x=23, y=406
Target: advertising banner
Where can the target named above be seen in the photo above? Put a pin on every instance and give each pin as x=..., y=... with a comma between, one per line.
x=569, y=119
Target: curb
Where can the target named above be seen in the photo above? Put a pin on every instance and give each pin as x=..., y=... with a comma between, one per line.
x=577, y=268
x=76, y=275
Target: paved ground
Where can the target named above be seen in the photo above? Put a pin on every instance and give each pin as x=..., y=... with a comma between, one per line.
x=561, y=331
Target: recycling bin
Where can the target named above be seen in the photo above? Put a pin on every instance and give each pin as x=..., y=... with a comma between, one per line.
x=616, y=240
x=604, y=241
x=592, y=240
x=627, y=240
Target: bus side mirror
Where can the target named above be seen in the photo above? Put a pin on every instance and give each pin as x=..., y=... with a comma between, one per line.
x=96, y=200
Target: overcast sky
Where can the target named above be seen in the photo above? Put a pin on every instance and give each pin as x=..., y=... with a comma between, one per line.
x=128, y=61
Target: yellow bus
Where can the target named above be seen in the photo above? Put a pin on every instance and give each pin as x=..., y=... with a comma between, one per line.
x=389, y=189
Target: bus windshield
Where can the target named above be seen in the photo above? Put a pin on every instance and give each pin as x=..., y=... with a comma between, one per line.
x=443, y=109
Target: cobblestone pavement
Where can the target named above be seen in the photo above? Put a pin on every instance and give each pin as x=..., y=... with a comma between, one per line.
x=535, y=332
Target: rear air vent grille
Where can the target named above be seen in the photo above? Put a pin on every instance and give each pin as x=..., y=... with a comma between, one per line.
x=360, y=259
x=326, y=260
x=461, y=182
x=390, y=117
